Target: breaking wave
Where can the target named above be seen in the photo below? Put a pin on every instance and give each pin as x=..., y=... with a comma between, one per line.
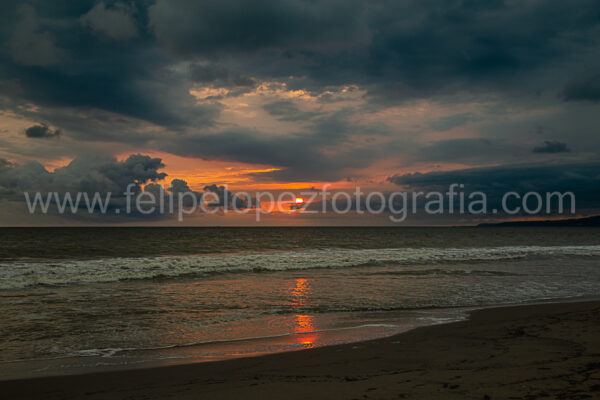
x=14, y=275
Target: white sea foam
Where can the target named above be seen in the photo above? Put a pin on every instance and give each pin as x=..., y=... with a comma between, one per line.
x=14, y=275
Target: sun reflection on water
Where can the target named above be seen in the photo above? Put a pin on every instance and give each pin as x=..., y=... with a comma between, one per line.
x=301, y=293
x=304, y=323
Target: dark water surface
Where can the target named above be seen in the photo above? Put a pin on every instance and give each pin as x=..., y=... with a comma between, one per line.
x=88, y=298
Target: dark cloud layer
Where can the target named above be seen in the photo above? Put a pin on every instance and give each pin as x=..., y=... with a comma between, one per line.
x=59, y=56
x=461, y=149
x=317, y=153
x=41, y=131
x=121, y=72
x=583, y=88
x=199, y=28
x=82, y=175
x=552, y=146
x=113, y=22
x=219, y=76
x=583, y=179
x=402, y=49
x=286, y=110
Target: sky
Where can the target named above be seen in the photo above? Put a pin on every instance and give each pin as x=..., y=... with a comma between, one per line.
x=274, y=95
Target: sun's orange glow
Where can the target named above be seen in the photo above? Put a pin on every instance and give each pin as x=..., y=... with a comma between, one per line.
x=304, y=323
x=237, y=176
x=52, y=166
x=299, y=200
x=199, y=173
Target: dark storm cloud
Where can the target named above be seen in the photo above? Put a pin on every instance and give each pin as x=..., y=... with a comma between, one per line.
x=136, y=168
x=299, y=155
x=583, y=88
x=453, y=121
x=323, y=151
x=286, y=110
x=113, y=22
x=41, y=131
x=219, y=76
x=402, y=49
x=199, y=28
x=82, y=175
x=29, y=45
x=583, y=179
x=88, y=55
x=136, y=61
x=461, y=149
x=394, y=49
x=552, y=146
x=178, y=187
x=223, y=197
x=103, y=176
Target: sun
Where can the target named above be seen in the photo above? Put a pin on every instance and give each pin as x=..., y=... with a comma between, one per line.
x=299, y=200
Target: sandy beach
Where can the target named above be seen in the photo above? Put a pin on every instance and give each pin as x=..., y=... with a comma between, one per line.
x=534, y=351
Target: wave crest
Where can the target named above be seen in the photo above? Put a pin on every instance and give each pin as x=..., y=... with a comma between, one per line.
x=15, y=275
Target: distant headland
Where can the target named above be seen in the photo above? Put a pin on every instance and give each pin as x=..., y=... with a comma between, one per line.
x=584, y=221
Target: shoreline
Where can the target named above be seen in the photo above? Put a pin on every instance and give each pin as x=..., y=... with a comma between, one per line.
x=537, y=350
x=371, y=326
x=117, y=360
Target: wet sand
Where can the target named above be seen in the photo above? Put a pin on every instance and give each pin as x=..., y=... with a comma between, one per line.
x=539, y=351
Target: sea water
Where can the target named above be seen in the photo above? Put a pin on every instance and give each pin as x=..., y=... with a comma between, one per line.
x=84, y=299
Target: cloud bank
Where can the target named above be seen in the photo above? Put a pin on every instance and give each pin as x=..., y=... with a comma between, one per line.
x=332, y=91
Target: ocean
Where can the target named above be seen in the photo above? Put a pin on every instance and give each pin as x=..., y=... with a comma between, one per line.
x=85, y=299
